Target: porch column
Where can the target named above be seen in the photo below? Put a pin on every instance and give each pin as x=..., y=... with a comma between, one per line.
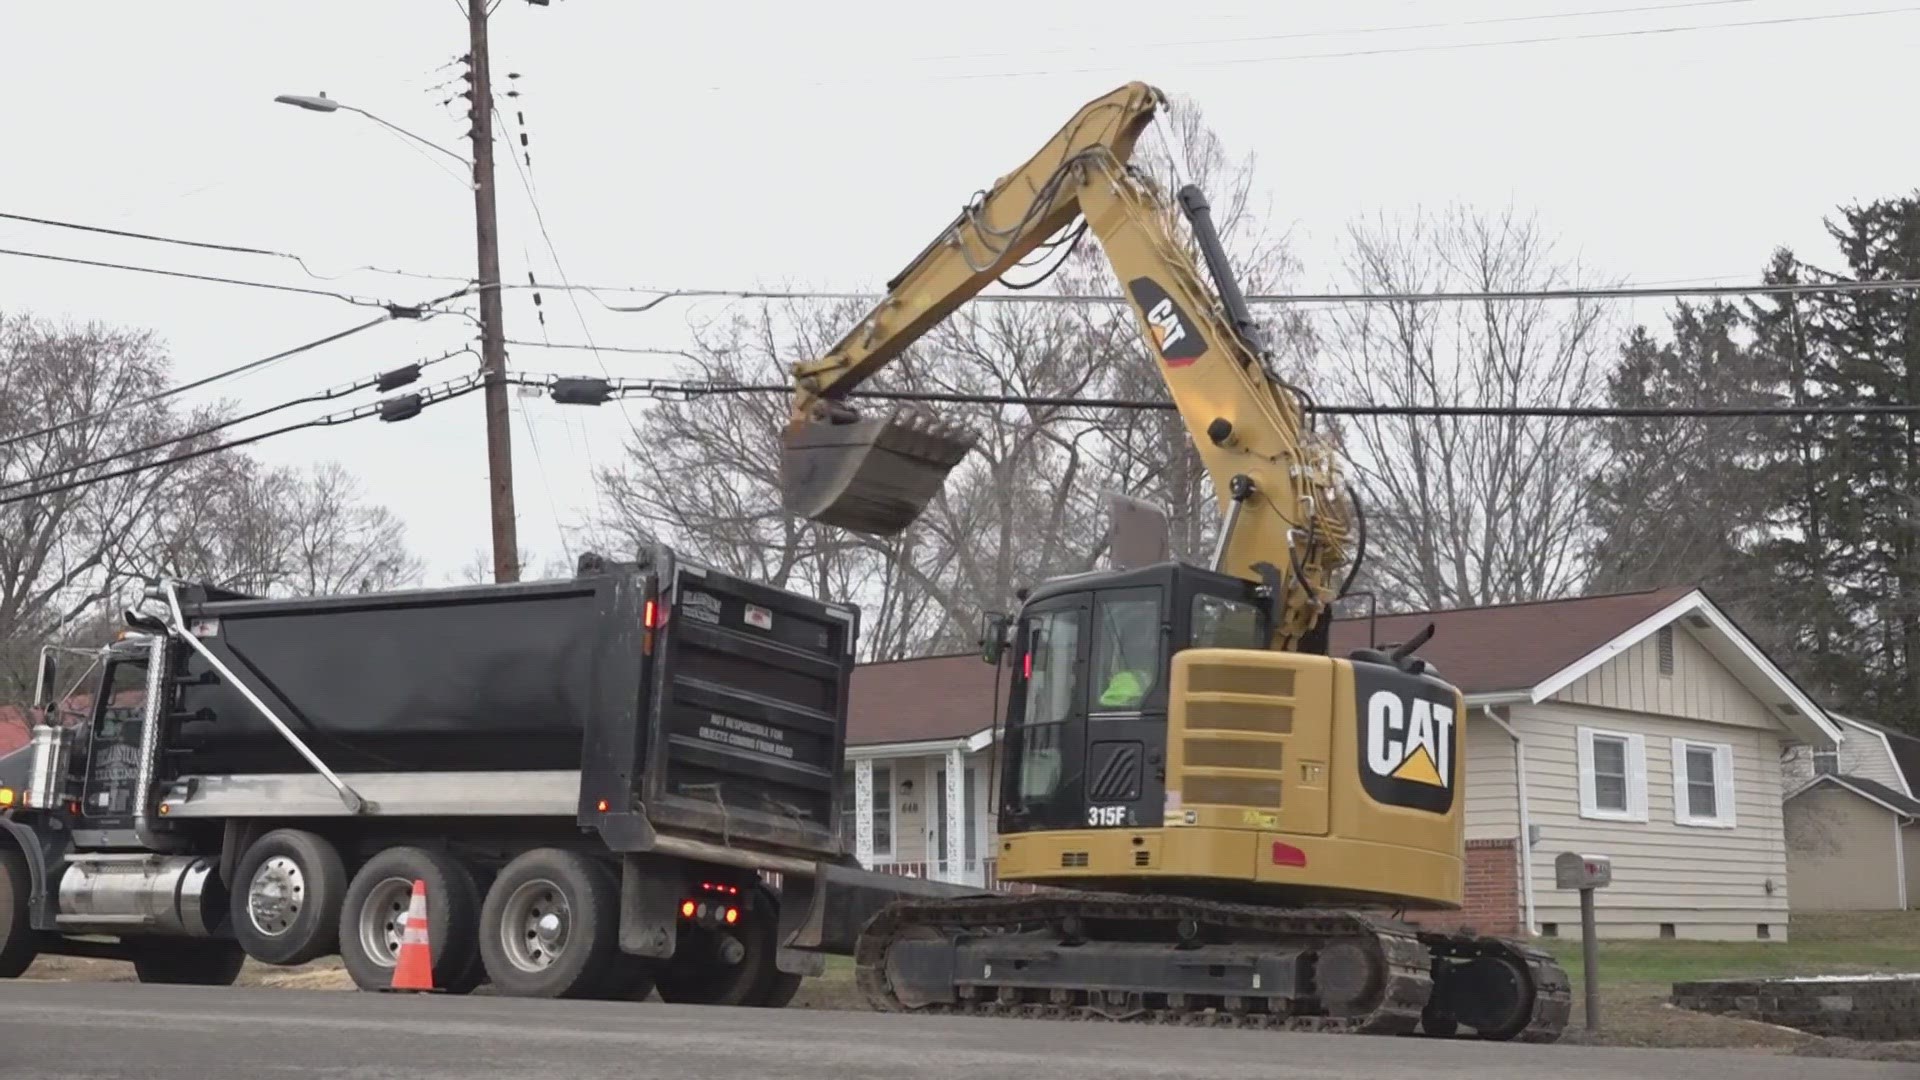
x=863, y=812
x=956, y=851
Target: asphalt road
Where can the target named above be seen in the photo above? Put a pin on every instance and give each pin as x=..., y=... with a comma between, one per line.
x=51, y=1031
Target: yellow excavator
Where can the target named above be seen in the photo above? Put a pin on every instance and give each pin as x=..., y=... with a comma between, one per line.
x=1227, y=822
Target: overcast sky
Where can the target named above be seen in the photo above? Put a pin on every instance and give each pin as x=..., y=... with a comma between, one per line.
x=739, y=144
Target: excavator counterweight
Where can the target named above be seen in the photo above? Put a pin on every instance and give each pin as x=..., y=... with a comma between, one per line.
x=873, y=474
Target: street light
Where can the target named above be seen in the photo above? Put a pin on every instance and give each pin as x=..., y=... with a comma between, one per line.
x=324, y=104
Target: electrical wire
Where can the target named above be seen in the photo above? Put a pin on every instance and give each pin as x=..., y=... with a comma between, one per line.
x=1349, y=32
x=427, y=398
x=588, y=347
x=1620, y=292
x=688, y=389
x=362, y=301
x=540, y=220
x=238, y=249
x=1438, y=47
x=240, y=369
x=368, y=383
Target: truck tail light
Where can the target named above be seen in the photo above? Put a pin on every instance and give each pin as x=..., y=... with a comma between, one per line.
x=649, y=622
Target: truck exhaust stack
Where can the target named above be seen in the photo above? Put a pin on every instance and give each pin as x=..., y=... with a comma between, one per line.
x=871, y=475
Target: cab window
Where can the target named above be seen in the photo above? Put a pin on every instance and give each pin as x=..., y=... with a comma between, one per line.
x=1220, y=623
x=1052, y=647
x=1126, y=649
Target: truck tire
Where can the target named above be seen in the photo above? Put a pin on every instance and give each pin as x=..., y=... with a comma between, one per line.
x=373, y=916
x=18, y=943
x=188, y=963
x=550, y=927
x=286, y=898
x=699, y=975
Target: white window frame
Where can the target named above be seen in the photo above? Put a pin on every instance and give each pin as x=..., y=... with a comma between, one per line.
x=1723, y=792
x=1636, y=764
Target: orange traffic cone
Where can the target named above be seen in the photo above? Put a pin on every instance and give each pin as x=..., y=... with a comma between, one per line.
x=414, y=969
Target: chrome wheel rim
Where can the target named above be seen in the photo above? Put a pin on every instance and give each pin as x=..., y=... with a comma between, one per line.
x=383, y=920
x=276, y=895
x=535, y=925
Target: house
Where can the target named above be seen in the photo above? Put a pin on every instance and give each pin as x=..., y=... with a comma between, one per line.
x=1644, y=726
x=1853, y=823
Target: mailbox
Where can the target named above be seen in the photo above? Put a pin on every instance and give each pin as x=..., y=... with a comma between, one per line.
x=1572, y=870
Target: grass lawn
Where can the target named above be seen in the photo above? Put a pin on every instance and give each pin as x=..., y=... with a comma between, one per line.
x=1636, y=978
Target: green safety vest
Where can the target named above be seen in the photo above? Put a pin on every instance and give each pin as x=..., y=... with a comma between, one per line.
x=1125, y=688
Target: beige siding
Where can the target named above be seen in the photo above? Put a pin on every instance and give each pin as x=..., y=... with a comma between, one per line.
x=1910, y=837
x=1493, y=808
x=1862, y=753
x=1708, y=882
x=1700, y=688
x=1841, y=852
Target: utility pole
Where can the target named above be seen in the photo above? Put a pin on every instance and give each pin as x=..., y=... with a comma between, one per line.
x=493, y=346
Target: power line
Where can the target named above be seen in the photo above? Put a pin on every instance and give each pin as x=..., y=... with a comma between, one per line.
x=688, y=389
x=1620, y=292
x=238, y=249
x=386, y=380
x=635, y=350
x=1447, y=47
x=361, y=301
x=404, y=407
x=240, y=369
x=1351, y=31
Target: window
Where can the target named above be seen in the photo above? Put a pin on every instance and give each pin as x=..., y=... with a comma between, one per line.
x=1826, y=762
x=1220, y=623
x=1702, y=783
x=1613, y=775
x=1666, y=650
x=882, y=812
x=1053, y=646
x=1126, y=651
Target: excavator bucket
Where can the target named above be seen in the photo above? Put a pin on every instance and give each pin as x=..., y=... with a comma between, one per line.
x=871, y=475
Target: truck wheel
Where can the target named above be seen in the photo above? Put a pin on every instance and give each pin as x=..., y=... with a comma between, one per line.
x=286, y=898
x=699, y=974
x=188, y=963
x=18, y=946
x=550, y=927
x=373, y=918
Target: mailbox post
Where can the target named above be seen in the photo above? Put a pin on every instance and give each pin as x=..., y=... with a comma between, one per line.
x=1572, y=870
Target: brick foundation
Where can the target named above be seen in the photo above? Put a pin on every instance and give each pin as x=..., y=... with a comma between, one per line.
x=1492, y=901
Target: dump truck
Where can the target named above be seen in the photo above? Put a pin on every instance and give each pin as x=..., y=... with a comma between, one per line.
x=624, y=780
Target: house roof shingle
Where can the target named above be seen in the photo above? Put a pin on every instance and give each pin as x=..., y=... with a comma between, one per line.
x=1480, y=650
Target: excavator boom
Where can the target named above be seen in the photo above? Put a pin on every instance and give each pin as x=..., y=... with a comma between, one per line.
x=1277, y=485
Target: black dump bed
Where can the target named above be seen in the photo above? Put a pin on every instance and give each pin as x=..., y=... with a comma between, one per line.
x=724, y=717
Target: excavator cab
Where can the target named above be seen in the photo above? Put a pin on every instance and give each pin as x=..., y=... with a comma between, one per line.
x=1087, y=716
x=870, y=474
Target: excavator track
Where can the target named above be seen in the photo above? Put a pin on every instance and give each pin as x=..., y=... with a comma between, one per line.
x=1358, y=974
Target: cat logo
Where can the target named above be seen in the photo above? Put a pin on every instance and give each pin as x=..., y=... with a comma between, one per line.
x=1174, y=336
x=1408, y=745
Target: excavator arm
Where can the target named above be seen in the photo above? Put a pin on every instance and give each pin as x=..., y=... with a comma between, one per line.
x=1286, y=521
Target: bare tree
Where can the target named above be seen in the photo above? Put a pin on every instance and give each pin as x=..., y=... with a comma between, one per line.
x=1465, y=511
x=281, y=531
x=63, y=551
